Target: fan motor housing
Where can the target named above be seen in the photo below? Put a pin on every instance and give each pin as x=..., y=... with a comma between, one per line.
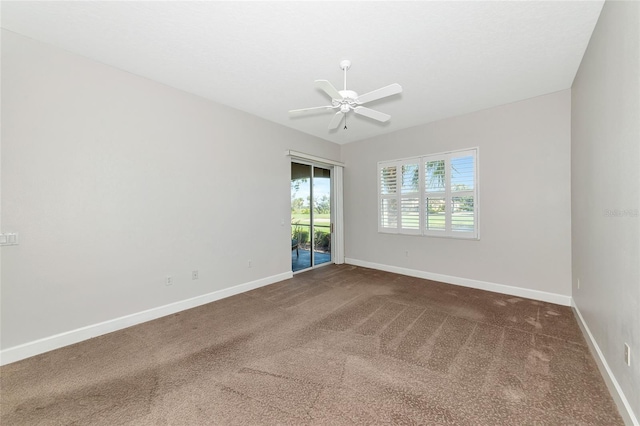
x=348, y=95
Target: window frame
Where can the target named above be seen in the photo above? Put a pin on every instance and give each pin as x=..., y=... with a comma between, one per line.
x=448, y=194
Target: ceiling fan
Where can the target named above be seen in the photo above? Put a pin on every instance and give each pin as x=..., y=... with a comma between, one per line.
x=347, y=100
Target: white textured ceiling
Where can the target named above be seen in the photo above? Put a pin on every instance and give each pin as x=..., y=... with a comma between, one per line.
x=451, y=58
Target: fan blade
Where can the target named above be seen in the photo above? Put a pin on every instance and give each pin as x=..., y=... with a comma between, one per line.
x=376, y=115
x=383, y=92
x=313, y=109
x=335, y=121
x=328, y=88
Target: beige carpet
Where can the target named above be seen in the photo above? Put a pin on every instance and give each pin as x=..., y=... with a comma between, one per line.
x=337, y=345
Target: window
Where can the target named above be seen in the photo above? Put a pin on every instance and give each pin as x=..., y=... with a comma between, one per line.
x=434, y=195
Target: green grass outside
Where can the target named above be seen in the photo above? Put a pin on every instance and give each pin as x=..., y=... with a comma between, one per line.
x=462, y=220
x=436, y=221
x=321, y=221
x=305, y=217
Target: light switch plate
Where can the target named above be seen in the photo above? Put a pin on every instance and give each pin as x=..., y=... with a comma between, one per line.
x=9, y=239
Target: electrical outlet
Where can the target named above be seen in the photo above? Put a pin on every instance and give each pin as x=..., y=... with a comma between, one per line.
x=249, y=264
x=406, y=253
x=168, y=280
x=194, y=275
x=627, y=354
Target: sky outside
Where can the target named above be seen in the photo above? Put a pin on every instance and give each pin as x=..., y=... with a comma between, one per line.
x=322, y=186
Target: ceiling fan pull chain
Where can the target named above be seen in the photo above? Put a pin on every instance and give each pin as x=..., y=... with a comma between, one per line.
x=345, y=78
x=345, y=122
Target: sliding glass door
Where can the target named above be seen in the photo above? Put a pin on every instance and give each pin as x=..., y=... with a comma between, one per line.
x=311, y=223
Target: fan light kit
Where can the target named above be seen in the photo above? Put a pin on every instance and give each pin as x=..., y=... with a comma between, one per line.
x=347, y=100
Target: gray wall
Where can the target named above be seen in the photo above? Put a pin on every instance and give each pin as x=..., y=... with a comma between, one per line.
x=524, y=191
x=114, y=182
x=605, y=177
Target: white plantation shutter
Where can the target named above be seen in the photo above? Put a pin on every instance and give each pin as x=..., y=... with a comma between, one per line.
x=435, y=173
x=463, y=182
x=409, y=197
x=399, y=197
x=430, y=195
x=388, y=197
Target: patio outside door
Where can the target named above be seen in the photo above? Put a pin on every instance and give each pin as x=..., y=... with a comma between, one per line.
x=311, y=224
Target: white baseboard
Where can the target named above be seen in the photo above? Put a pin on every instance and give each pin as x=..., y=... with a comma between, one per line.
x=544, y=296
x=614, y=387
x=36, y=347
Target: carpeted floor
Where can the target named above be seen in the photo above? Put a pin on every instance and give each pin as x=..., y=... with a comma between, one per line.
x=335, y=345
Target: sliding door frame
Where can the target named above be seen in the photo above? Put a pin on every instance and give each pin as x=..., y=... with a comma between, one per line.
x=312, y=233
x=336, y=222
